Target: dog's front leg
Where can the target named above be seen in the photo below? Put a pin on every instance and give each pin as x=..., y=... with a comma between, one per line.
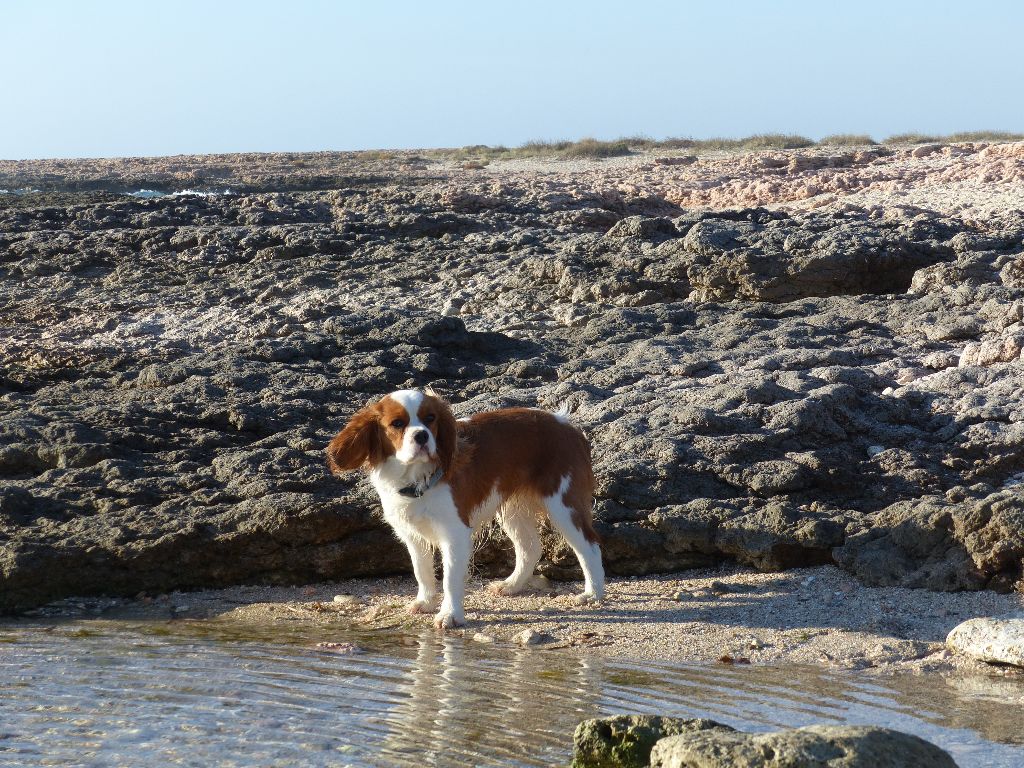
x=456, y=546
x=422, y=555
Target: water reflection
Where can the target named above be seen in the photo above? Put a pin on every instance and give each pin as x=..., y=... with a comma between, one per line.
x=465, y=706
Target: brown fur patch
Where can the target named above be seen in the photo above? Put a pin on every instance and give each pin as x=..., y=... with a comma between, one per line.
x=526, y=452
x=361, y=442
x=445, y=430
x=392, y=412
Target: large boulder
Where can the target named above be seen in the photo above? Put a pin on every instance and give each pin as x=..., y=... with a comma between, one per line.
x=811, y=747
x=994, y=640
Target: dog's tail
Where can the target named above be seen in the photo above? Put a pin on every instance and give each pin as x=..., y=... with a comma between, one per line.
x=563, y=413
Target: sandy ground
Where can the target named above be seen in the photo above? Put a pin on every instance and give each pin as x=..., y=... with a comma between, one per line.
x=819, y=616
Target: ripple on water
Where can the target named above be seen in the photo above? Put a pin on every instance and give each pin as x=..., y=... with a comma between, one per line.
x=199, y=693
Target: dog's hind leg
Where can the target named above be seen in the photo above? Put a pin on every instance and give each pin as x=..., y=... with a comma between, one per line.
x=518, y=519
x=569, y=511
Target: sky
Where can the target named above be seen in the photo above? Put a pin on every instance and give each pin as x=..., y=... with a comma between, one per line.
x=117, y=78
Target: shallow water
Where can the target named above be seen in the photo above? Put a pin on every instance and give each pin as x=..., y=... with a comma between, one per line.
x=207, y=693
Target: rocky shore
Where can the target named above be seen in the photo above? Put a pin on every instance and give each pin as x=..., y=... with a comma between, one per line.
x=783, y=359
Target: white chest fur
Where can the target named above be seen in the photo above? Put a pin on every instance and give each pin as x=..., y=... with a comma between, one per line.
x=428, y=517
x=431, y=517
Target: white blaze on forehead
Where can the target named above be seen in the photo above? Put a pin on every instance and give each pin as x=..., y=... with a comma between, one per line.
x=411, y=450
x=411, y=400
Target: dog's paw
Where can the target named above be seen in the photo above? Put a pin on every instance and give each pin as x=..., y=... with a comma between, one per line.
x=448, y=620
x=419, y=606
x=587, y=598
x=499, y=588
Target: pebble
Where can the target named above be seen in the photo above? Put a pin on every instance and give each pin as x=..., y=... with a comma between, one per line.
x=480, y=637
x=347, y=600
x=540, y=581
x=528, y=637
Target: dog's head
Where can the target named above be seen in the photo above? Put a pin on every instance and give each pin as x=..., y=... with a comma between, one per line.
x=412, y=426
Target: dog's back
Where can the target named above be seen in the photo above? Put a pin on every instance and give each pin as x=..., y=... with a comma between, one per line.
x=525, y=451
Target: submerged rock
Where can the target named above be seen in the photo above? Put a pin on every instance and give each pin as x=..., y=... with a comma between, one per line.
x=810, y=747
x=998, y=641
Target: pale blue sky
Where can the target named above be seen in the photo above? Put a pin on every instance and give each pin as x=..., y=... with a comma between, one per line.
x=111, y=77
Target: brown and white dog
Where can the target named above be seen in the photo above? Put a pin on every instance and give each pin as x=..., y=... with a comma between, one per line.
x=439, y=480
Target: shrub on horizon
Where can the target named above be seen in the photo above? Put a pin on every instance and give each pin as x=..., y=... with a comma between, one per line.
x=847, y=140
x=911, y=138
x=984, y=136
x=593, y=148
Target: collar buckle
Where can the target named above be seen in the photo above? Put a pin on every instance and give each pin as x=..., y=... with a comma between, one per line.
x=416, y=490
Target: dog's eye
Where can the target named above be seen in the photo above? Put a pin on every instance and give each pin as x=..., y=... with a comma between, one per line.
x=428, y=419
x=397, y=423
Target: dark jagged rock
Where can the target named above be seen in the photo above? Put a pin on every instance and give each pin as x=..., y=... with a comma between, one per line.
x=757, y=385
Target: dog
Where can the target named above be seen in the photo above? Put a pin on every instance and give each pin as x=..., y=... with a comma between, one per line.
x=440, y=480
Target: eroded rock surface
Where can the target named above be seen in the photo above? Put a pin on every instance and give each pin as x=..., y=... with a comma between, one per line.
x=778, y=386
x=625, y=741
x=810, y=747
x=997, y=641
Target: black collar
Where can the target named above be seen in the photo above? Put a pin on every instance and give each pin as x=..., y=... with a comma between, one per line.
x=416, y=490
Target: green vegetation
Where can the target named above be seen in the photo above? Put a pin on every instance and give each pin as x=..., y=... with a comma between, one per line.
x=589, y=148
x=477, y=156
x=755, y=143
x=846, y=140
x=984, y=136
x=596, y=149
x=952, y=138
x=911, y=138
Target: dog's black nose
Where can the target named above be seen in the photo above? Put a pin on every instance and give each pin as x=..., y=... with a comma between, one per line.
x=421, y=437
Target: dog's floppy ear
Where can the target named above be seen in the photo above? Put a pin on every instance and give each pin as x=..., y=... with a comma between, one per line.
x=359, y=443
x=447, y=434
